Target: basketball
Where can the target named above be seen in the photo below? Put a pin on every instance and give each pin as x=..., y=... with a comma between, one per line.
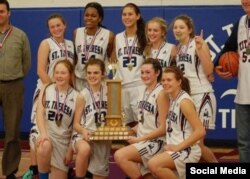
x=230, y=62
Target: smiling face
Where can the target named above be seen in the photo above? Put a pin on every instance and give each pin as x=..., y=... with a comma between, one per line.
x=170, y=84
x=91, y=18
x=154, y=32
x=61, y=75
x=94, y=75
x=181, y=30
x=149, y=75
x=56, y=27
x=129, y=17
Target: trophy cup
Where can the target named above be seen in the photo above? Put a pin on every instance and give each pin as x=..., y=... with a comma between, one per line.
x=114, y=129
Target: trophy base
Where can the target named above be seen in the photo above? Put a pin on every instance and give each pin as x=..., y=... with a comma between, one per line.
x=112, y=133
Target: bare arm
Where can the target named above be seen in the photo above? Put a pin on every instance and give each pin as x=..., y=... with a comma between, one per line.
x=188, y=109
x=110, y=44
x=204, y=55
x=173, y=55
x=80, y=103
x=113, y=58
x=40, y=113
x=42, y=57
x=162, y=105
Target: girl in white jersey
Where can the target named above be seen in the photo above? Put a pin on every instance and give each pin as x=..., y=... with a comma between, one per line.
x=55, y=113
x=128, y=53
x=184, y=129
x=153, y=105
x=194, y=59
x=51, y=50
x=91, y=41
x=157, y=47
x=90, y=113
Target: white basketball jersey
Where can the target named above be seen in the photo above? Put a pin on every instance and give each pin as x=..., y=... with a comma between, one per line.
x=90, y=47
x=95, y=110
x=59, y=108
x=129, y=59
x=148, y=109
x=188, y=62
x=163, y=54
x=243, y=95
x=56, y=53
x=178, y=127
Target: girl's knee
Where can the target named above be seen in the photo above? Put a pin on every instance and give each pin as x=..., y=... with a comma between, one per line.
x=83, y=150
x=44, y=148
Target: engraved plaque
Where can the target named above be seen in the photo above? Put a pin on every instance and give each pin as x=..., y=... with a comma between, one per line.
x=113, y=129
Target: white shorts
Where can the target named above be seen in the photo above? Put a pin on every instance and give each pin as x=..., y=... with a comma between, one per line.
x=147, y=149
x=189, y=155
x=130, y=99
x=59, y=150
x=99, y=159
x=34, y=106
x=206, y=107
x=34, y=133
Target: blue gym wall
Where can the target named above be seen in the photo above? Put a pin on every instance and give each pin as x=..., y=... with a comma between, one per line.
x=211, y=19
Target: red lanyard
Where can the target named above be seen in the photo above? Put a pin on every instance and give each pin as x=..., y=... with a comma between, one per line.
x=64, y=49
x=87, y=50
x=6, y=36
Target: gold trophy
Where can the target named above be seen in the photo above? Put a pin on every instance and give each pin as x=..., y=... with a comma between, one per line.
x=114, y=129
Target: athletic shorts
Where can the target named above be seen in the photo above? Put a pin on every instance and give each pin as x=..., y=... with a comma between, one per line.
x=34, y=133
x=100, y=153
x=34, y=106
x=147, y=149
x=205, y=104
x=189, y=155
x=130, y=99
x=59, y=150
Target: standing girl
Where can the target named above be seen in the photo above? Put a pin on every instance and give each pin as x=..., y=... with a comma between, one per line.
x=90, y=113
x=50, y=51
x=157, y=47
x=184, y=129
x=91, y=41
x=128, y=51
x=194, y=59
x=153, y=105
x=55, y=113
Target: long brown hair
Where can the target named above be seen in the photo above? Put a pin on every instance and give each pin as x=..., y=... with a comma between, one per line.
x=178, y=74
x=140, y=32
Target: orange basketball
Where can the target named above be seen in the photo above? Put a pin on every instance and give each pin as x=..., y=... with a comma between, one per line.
x=230, y=62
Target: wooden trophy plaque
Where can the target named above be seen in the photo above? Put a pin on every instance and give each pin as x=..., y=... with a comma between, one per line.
x=114, y=129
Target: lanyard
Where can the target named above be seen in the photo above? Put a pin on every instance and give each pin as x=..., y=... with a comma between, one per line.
x=180, y=52
x=97, y=106
x=129, y=49
x=64, y=49
x=159, y=50
x=6, y=36
x=58, y=110
x=174, y=101
x=87, y=50
x=145, y=99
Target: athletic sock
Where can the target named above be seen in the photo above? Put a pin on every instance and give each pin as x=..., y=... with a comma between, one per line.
x=43, y=175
